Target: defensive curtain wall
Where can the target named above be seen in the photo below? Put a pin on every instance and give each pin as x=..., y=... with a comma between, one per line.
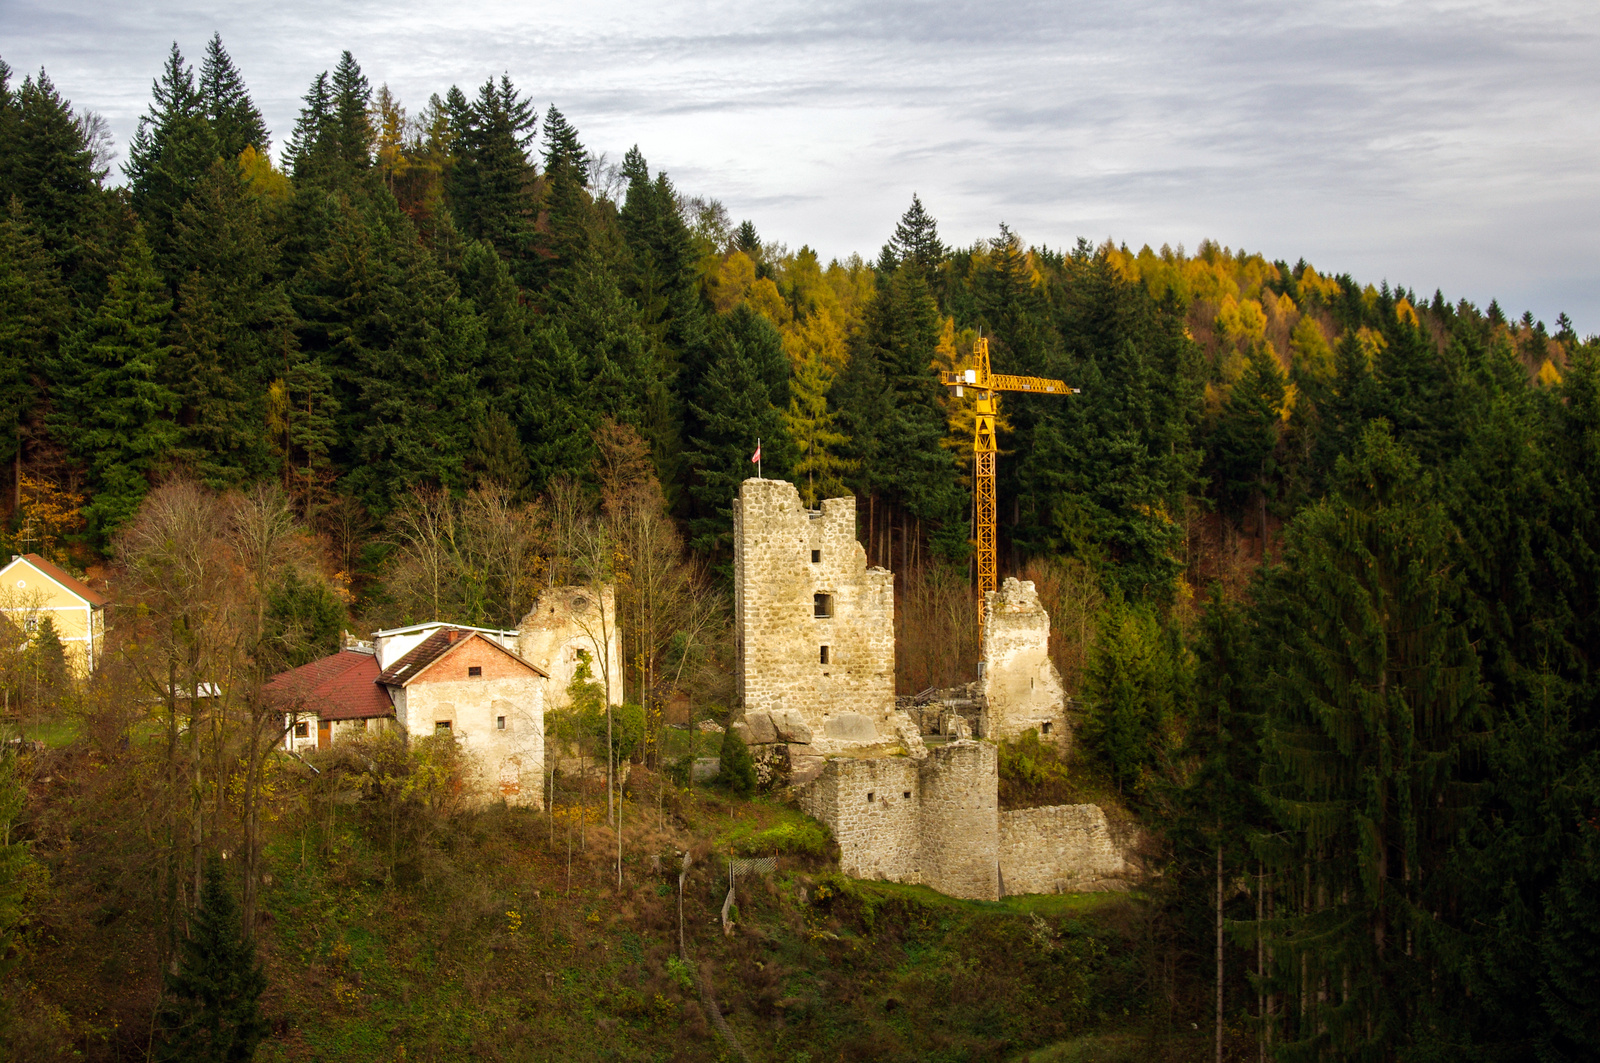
x=815, y=630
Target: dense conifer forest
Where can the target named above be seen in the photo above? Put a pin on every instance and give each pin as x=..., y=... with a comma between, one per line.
x=1323, y=559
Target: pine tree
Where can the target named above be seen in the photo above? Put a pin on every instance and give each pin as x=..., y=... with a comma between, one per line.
x=113, y=413
x=236, y=123
x=211, y=1008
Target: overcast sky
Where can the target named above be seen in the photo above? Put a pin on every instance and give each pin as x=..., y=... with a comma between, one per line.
x=1448, y=145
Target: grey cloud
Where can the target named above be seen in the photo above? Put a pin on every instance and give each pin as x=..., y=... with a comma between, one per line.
x=1435, y=144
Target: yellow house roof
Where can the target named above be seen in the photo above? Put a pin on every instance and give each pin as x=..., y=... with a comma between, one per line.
x=55, y=574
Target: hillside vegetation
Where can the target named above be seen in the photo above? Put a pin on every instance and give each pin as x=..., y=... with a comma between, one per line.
x=1321, y=557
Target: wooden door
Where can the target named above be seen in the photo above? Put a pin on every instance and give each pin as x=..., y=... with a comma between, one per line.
x=324, y=733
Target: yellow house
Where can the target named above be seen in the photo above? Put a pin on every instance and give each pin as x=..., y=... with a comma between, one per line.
x=32, y=588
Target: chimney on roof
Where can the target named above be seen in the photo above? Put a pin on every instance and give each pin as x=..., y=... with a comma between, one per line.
x=450, y=635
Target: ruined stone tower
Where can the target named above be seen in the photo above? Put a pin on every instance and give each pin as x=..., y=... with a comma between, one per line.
x=816, y=682
x=815, y=625
x=1021, y=688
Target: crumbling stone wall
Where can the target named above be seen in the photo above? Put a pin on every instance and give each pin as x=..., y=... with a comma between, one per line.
x=563, y=621
x=903, y=819
x=783, y=557
x=1020, y=686
x=1064, y=849
x=871, y=805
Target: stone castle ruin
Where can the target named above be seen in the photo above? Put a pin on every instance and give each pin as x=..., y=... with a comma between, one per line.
x=815, y=630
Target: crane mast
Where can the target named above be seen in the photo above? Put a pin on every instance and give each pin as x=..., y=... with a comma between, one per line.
x=984, y=384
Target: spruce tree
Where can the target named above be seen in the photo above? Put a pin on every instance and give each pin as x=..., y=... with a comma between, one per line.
x=171, y=151
x=229, y=330
x=734, y=409
x=565, y=243
x=351, y=118
x=897, y=434
x=236, y=123
x=1244, y=435
x=735, y=768
x=491, y=182
x=1373, y=702
x=113, y=413
x=33, y=311
x=916, y=240
x=211, y=1006
x=311, y=151
x=47, y=169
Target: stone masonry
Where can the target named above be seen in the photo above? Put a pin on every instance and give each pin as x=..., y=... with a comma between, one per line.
x=1064, y=849
x=931, y=821
x=563, y=621
x=815, y=625
x=1020, y=684
x=815, y=629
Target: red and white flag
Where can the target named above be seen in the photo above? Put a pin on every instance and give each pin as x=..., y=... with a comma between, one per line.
x=755, y=458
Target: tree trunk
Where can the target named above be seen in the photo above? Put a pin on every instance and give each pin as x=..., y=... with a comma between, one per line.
x=1219, y=953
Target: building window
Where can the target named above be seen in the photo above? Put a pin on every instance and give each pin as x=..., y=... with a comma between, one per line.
x=302, y=730
x=870, y=796
x=499, y=723
x=906, y=795
x=441, y=727
x=824, y=655
x=816, y=557
x=1046, y=727
x=474, y=669
x=822, y=605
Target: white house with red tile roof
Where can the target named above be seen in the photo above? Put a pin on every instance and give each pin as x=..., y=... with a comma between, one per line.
x=424, y=680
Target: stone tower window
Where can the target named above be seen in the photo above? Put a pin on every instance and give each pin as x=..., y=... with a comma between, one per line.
x=822, y=605
x=870, y=796
x=816, y=557
x=1046, y=727
x=824, y=655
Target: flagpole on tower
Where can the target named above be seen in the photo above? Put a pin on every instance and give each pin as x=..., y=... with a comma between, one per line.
x=756, y=457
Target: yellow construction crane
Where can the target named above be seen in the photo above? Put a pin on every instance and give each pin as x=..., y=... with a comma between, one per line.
x=984, y=384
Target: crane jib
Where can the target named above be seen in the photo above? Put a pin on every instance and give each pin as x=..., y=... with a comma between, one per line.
x=984, y=449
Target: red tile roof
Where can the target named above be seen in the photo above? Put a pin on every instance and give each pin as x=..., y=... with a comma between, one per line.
x=71, y=583
x=436, y=646
x=340, y=687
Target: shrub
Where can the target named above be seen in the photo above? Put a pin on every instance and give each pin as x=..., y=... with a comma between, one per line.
x=737, y=771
